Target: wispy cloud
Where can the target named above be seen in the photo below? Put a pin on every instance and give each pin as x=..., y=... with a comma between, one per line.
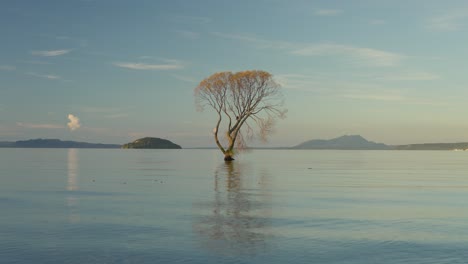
x=100, y=109
x=74, y=123
x=367, y=55
x=7, y=68
x=301, y=82
x=328, y=12
x=35, y=62
x=411, y=76
x=81, y=42
x=452, y=21
x=40, y=126
x=44, y=76
x=390, y=96
x=377, y=22
x=50, y=53
x=10, y=131
x=169, y=65
x=187, y=34
x=105, y=112
x=191, y=19
x=375, y=97
x=257, y=41
x=185, y=78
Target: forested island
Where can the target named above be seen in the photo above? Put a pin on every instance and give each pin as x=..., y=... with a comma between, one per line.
x=151, y=143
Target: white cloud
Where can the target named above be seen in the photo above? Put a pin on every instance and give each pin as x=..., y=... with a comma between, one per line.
x=42, y=126
x=328, y=12
x=50, y=53
x=74, y=123
x=7, y=68
x=170, y=65
x=45, y=76
x=368, y=55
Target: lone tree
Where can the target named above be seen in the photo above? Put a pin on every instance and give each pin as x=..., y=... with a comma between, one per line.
x=243, y=101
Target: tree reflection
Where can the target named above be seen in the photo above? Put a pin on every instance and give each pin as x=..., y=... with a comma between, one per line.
x=237, y=219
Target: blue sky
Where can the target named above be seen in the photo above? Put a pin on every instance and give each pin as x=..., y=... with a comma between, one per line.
x=391, y=71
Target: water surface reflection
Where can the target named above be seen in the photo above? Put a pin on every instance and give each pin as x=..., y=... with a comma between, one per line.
x=236, y=219
x=72, y=201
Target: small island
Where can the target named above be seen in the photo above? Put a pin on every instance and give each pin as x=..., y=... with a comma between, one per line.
x=151, y=143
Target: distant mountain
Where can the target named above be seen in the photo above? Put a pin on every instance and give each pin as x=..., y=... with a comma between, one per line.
x=54, y=143
x=151, y=143
x=434, y=146
x=6, y=144
x=353, y=142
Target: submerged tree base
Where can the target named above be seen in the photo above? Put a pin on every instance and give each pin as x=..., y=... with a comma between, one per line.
x=228, y=158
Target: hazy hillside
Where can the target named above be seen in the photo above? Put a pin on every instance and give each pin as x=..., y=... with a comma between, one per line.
x=434, y=146
x=54, y=143
x=344, y=142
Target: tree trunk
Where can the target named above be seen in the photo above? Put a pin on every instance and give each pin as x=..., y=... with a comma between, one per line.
x=228, y=157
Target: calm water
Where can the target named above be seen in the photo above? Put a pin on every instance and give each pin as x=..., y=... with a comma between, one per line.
x=188, y=206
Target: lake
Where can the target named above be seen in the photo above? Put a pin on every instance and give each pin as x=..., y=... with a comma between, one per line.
x=268, y=206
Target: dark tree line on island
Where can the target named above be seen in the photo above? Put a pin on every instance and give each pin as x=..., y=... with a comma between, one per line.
x=246, y=103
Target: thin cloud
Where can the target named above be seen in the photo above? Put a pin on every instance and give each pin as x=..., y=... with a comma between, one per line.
x=74, y=123
x=50, y=53
x=391, y=97
x=453, y=21
x=44, y=76
x=92, y=109
x=185, y=78
x=116, y=116
x=412, y=76
x=7, y=68
x=300, y=82
x=105, y=112
x=187, y=34
x=328, y=12
x=35, y=62
x=258, y=42
x=191, y=19
x=171, y=65
x=40, y=126
x=377, y=97
x=377, y=22
x=368, y=55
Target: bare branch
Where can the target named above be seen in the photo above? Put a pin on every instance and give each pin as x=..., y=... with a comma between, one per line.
x=240, y=97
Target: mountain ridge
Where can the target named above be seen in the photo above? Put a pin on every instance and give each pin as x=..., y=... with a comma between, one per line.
x=54, y=143
x=346, y=142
